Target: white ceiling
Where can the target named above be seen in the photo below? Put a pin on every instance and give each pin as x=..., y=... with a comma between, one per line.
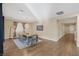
x=32, y=12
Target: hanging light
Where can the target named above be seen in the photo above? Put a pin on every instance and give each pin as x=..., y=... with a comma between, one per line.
x=19, y=28
x=26, y=29
x=27, y=26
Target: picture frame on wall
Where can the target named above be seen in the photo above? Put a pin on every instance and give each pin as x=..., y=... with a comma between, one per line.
x=39, y=27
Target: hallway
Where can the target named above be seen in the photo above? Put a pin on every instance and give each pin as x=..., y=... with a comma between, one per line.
x=66, y=46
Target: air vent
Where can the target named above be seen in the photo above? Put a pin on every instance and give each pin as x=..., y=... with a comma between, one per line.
x=60, y=13
x=20, y=11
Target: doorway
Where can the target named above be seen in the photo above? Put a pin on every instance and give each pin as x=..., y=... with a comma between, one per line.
x=67, y=26
x=70, y=28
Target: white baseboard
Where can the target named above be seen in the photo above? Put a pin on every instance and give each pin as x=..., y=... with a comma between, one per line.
x=53, y=39
x=60, y=36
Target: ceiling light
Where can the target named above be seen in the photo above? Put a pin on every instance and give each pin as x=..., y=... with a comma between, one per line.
x=60, y=13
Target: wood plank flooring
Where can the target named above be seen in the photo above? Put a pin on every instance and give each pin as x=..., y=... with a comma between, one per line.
x=66, y=46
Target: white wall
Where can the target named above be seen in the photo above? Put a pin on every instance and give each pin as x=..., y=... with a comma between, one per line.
x=8, y=29
x=60, y=29
x=50, y=30
x=77, y=31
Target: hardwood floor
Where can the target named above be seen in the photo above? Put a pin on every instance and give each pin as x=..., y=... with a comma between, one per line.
x=66, y=46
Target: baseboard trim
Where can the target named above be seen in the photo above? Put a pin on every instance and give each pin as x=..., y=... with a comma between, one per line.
x=42, y=37
x=52, y=39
